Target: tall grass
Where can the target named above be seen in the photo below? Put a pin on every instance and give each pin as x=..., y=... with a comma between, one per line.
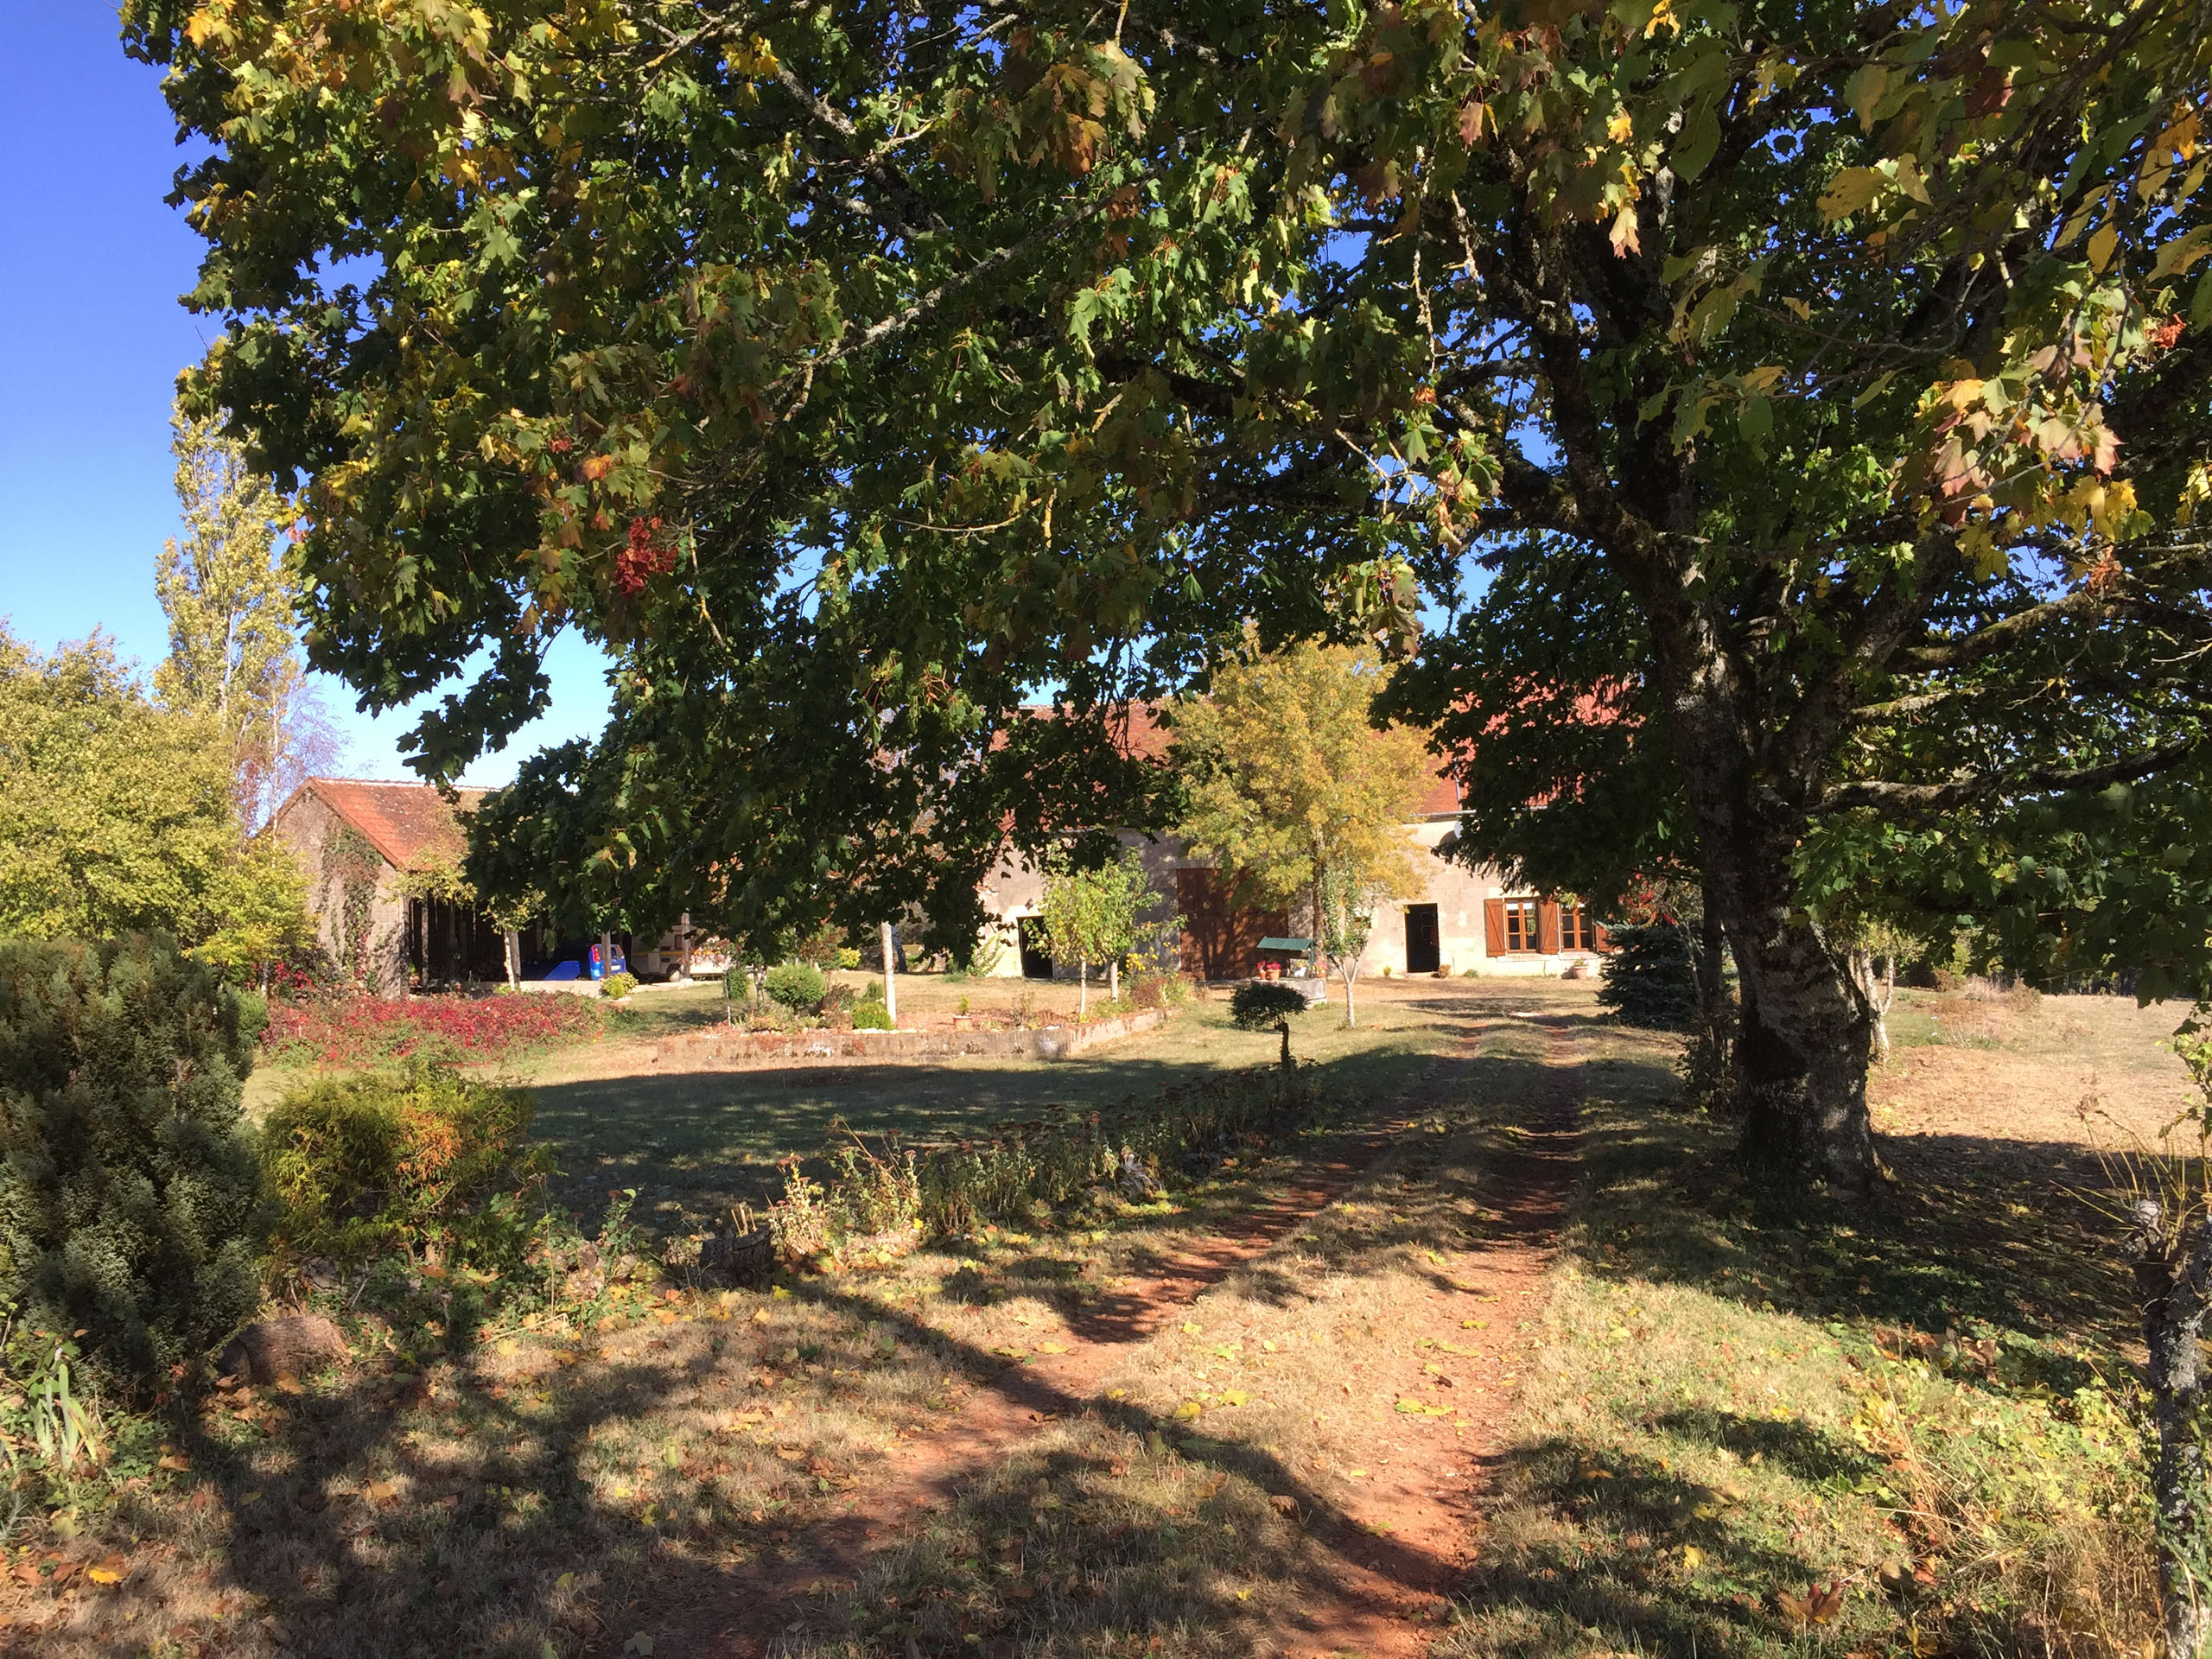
x=1023, y=1171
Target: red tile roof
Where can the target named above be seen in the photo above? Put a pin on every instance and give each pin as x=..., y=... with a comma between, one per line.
x=411, y=824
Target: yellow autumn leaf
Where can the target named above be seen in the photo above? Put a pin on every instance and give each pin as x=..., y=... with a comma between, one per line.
x=1190, y=1411
x=1621, y=128
x=1692, y=1557
x=1623, y=235
x=114, y=1570
x=1234, y=1398
x=1189, y=1329
x=1051, y=1347
x=2104, y=241
x=1848, y=192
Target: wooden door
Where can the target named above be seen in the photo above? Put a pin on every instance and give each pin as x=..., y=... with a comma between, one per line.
x=1220, y=941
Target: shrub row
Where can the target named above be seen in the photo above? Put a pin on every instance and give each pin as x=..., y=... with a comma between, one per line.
x=368, y=1030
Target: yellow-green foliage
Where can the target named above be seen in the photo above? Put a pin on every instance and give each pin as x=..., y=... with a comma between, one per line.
x=406, y=1159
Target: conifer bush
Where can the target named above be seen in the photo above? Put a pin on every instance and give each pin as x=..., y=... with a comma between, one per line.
x=131, y=1201
x=419, y=1158
x=1649, y=977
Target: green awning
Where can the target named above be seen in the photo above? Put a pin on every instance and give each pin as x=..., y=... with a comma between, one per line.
x=1286, y=944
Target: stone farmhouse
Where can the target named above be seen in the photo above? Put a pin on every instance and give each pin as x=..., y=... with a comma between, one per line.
x=1461, y=919
x=374, y=856
x=381, y=862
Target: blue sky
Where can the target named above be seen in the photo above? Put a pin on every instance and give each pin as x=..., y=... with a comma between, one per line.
x=91, y=340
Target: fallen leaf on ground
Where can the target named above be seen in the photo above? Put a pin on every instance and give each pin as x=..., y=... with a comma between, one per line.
x=110, y=1570
x=1820, y=1603
x=176, y=1461
x=1051, y=1347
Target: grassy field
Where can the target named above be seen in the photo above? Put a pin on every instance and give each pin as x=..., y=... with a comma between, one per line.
x=693, y=1142
x=1720, y=1415
x=1764, y=1423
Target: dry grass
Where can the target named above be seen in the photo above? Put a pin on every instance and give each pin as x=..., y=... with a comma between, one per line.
x=1748, y=1396
x=1727, y=1393
x=564, y=1486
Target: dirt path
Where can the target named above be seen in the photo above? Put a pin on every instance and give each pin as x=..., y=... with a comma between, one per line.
x=1394, y=1554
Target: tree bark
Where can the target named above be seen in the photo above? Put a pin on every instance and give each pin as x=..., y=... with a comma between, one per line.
x=1349, y=971
x=1806, y=1029
x=2173, y=1277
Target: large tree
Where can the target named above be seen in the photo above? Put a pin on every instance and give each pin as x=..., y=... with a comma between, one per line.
x=115, y=816
x=1298, y=795
x=233, y=643
x=852, y=369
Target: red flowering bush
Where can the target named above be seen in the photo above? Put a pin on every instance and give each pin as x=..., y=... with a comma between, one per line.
x=367, y=1030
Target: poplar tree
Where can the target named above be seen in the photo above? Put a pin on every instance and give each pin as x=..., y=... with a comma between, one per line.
x=234, y=648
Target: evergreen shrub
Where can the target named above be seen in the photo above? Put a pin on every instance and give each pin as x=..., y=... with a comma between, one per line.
x=130, y=1202
x=615, y=985
x=871, y=1014
x=1259, y=1004
x=798, y=986
x=1650, y=978
x=421, y=1157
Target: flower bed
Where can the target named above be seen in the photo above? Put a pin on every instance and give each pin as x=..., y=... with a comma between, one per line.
x=365, y=1030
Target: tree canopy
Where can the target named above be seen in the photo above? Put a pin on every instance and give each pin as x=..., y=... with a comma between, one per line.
x=115, y=816
x=234, y=647
x=853, y=370
x=1290, y=785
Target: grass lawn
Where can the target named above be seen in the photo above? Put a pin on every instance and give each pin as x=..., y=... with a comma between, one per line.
x=1727, y=1416
x=1910, y=1420
x=693, y=1142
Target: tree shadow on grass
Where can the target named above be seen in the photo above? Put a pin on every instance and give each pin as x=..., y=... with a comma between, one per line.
x=475, y=1509
x=1974, y=1235
x=1622, y=1552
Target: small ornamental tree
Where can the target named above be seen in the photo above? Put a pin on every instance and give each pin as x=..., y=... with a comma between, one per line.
x=1651, y=976
x=1092, y=915
x=1291, y=786
x=131, y=1200
x=1259, y=1006
x=1345, y=907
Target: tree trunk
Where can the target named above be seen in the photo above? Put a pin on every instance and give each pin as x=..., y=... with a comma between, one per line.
x=1348, y=972
x=514, y=959
x=1114, y=979
x=2173, y=1273
x=1082, y=989
x=891, y=976
x=1712, y=969
x=1288, y=1065
x=1805, y=1030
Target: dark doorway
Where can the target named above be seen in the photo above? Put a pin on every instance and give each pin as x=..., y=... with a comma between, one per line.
x=1036, y=952
x=1423, y=952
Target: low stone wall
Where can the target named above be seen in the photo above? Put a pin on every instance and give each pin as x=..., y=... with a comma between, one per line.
x=728, y=1045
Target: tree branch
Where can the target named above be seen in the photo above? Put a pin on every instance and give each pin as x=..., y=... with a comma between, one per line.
x=1997, y=636
x=2035, y=780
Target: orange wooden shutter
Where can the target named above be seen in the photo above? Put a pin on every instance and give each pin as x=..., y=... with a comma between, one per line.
x=1599, y=939
x=1548, y=926
x=1494, y=926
